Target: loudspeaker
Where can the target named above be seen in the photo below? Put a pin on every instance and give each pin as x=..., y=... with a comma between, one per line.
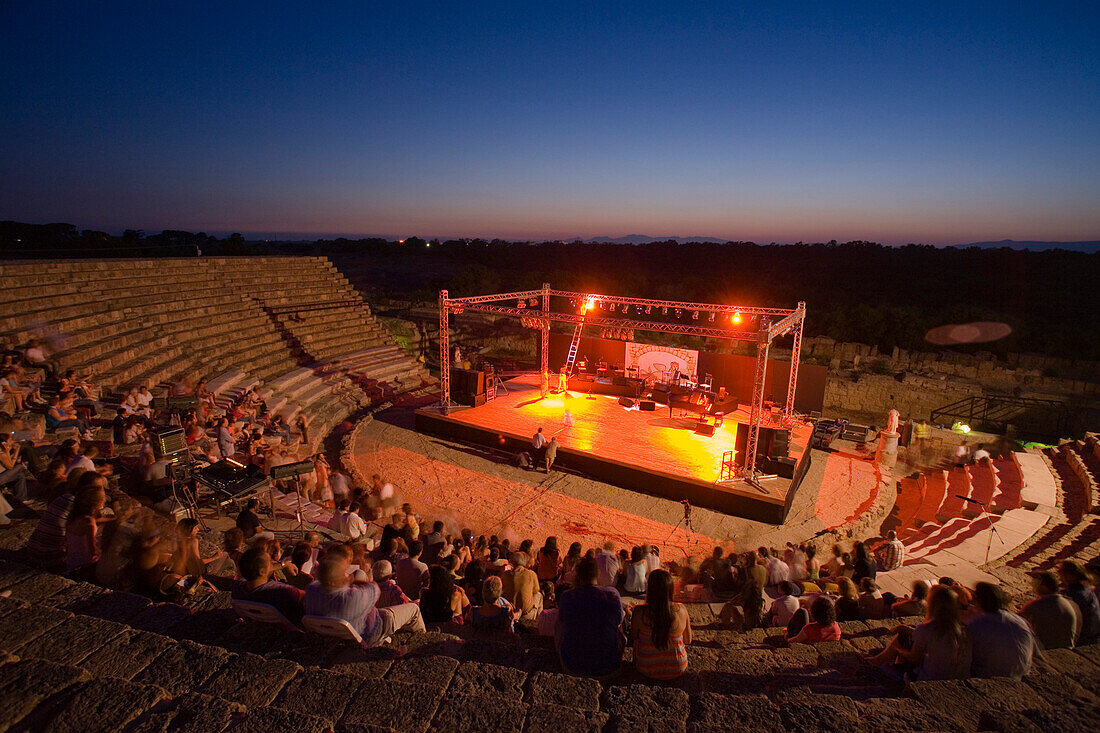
x=647, y=406
x=782, y=467
x=626, y=402
x=781, y=443
x=704, y=428
x=475, y=382
x=660, y=387
x=290, y=470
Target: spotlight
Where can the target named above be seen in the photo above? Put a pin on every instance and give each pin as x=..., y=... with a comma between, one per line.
x=711, y=318
x=648, y=310
x=589, y=303
x=695, y=315
x=736, y=317
x=521, y=304
x=638, y=309
x=664, y=311
x=534, y=302
x=572, y=302
x=626, y=309
x=679, y=313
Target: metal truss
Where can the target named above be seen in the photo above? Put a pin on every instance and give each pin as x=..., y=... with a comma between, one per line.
x=773, y=323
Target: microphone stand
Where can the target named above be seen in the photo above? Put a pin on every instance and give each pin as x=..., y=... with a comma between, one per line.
x=992, y=530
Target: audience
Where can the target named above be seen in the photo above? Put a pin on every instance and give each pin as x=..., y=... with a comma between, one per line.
x=915, y=604
x=938, y=649
x=494, y=613
x=1074, y=587
x=823, y=627
x=257, y=585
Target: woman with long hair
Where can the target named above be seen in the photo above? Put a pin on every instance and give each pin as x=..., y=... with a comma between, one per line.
x=938, y=649
x=548, y=561
x=661, y=631
x=569, y=564
x=847, y=606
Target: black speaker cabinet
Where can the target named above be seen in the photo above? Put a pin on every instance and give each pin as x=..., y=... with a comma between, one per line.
x=782, y=467
x=705, y=428
x=781, y=443
x=647, y=406
x=626, y=402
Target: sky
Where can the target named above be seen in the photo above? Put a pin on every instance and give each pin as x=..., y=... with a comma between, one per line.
x=928, y=122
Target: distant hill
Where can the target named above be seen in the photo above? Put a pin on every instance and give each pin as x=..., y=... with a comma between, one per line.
x=645, y=239
x=1035, y=246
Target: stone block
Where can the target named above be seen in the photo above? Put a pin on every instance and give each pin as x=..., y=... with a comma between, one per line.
x=72, y=640
x=205, y=626
x=311, y=650
x=126, y=654
x=251, y=680
x=8, y=605
x=118, y=606
x=558, y=719
x=1059, y=689
x=37, y=587
x=565, y=690
x=953, y=699
x=461, y=713
x=300, y=695
x=487, y=680
x=628, y=704
x=424, y=670
x=12, y=573
x=803, y=710
x=184, y=666
x=249, y=636
x=73, y=597
x=159, y=618
x=277, y=720
x=900, y=715
x=24, y=684
x=1007, y=721
x=747, y=713
x=398, y=705
x=27, y=623
x=1066, y=661
x=506, y=654
x=106, y=704
x=1066, y=720
x=367, y=664
x=189, y=713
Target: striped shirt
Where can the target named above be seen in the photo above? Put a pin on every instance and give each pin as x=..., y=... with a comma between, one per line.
x=355, y=603
x=47, y=545
x=892, y=554
x=661, y=664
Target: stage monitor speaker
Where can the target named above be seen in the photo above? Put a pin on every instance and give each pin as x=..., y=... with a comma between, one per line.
x=660, y=387
x=781, y=443
x=782, y=467
x=647, y=406
x=626, y=402
x=705, y=428
x=168, y=441
x=476, y=383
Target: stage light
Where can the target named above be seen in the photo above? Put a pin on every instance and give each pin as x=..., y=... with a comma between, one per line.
x=521, y=304
x=664, y=311
x=695, y=315
x=648, y=310
x=638, y=309
x=534, y=302
x=711, y=318
x=589, y=303
x=572, y=302
x=626, y=309
x=679, y=313
x=736, y=317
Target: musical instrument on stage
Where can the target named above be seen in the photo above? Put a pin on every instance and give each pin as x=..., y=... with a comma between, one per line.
x=700, y=401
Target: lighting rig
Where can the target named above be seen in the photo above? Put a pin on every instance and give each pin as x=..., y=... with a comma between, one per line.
x=731, y=322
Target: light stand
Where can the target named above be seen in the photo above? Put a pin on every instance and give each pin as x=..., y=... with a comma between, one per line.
x=686, y=521
x=992, y=531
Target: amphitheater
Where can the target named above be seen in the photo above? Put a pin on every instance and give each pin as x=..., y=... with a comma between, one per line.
x=76, y=656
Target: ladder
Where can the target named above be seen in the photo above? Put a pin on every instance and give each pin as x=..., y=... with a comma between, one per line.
x=573, y=347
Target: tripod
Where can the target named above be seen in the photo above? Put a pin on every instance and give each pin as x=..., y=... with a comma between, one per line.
x=686, y=521
x=992, y=531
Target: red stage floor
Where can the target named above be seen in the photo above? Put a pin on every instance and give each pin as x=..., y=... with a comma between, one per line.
x=650, y=441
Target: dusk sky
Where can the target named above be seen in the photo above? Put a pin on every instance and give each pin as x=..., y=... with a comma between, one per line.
x=928, y=122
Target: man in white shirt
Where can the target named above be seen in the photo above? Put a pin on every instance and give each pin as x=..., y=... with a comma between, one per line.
x=354, y=526
x=653, y=559
x=145, y=400
x=84, y=462
x=607, y=563
x=538, y=440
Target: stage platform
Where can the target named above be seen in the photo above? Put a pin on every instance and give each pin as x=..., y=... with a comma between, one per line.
x=649, y=452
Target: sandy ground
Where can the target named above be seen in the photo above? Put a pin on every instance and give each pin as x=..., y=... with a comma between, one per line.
x=478, y=488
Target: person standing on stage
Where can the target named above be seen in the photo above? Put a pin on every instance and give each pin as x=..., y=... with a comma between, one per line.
x=551, y=453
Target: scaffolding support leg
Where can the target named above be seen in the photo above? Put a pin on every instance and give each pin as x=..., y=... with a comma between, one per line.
x=756, y=412
x=544, y=356
x=796, y=355
x=444, y=354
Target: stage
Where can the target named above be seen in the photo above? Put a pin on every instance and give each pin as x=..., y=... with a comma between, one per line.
x=649, y=452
